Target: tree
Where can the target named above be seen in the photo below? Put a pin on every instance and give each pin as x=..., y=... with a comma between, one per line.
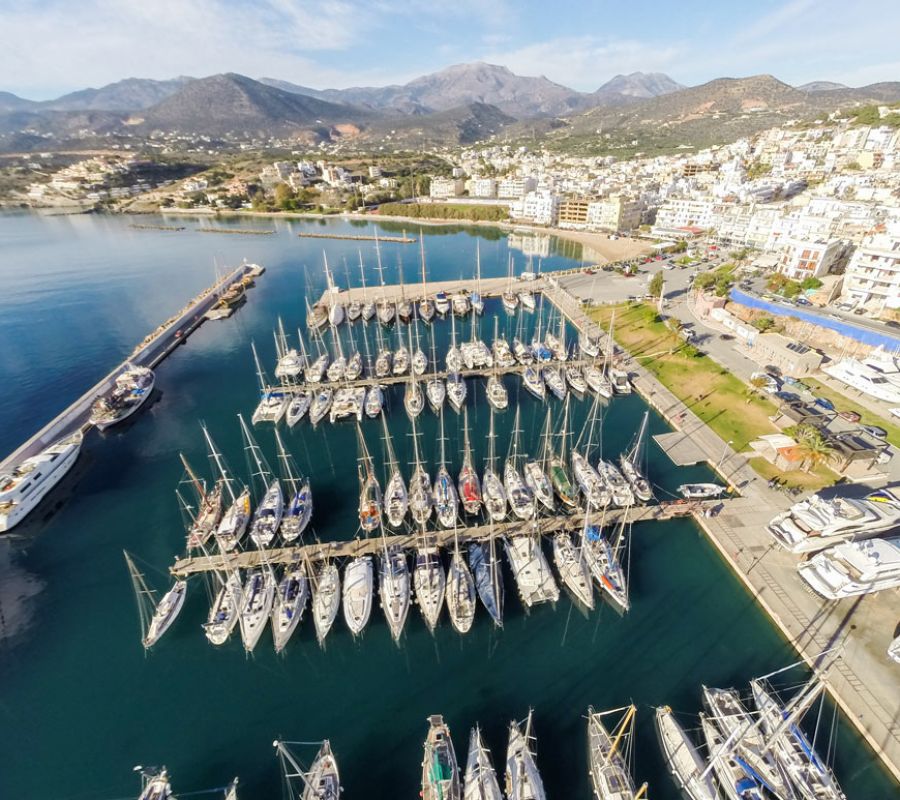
x=757, y=384
x=284, y=196
x=655, y=288
x=704, y=280
x=763, y=324
x=813, y=446
x=679, y=247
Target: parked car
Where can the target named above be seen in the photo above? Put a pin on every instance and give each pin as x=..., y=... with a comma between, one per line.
x=850, y=416
x=788, y=397
x=802, y=301
x=874, y=430
x=824, y=402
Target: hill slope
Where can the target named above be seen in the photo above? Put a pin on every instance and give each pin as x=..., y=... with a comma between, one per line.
x=131, y=94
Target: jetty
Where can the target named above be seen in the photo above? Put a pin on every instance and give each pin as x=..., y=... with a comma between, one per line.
x=238, y=231
x=152, y=350
x=141, y=227
x=358, y=237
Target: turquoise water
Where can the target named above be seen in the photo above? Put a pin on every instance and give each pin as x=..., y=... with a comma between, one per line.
x=81, y=702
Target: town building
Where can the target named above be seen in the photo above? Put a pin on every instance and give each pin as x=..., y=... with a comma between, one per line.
x=515, y=187
x=573, y=212
x=805, y=258
x=445, y=188
x=482, y=187
x=614, y=213
x=540, y=207
x=872, y=278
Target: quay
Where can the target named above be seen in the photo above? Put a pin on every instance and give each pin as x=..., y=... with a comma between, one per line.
x=443, y=538
x=139, y=227
x=490, y=287
x=357, y=237
x=240, y=231
x=151, y=351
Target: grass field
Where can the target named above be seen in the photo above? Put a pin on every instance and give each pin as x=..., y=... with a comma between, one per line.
x=719, y=398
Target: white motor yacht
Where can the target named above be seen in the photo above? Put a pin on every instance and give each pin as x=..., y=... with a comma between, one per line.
x=854, y=568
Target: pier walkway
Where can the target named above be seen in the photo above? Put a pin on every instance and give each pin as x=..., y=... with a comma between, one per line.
x=490, y=287
x=374, y=544
x=150, y=352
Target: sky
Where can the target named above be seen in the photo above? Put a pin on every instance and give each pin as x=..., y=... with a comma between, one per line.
x=49, y=47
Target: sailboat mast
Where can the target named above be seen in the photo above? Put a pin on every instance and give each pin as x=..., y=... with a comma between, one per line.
x=216, y=456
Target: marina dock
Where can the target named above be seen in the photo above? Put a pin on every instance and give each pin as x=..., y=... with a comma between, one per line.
x=358, y=237
x=149, y=353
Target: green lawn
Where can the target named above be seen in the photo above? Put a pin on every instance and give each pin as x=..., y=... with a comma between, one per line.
x=844, y=403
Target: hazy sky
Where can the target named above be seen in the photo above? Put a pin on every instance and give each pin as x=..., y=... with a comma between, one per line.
x=48, y=47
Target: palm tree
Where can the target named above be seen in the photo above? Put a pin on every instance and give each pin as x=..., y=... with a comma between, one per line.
x=756, y=385
x=814, y=447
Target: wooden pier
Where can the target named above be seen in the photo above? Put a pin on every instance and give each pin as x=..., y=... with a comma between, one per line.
x=375, y=544
x=358, y=237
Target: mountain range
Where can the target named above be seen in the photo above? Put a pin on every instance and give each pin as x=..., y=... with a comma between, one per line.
x=461, y=104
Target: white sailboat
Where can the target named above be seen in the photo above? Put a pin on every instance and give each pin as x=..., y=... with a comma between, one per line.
x=299, y=508
x=521, y=500
x=156, y=617
x=557, y=470
x=233, y=524
x=358, y=585
x=225, y=608
x=480, y=781
x=523, y=781
x=155, y=785
x=446, y=501
x=456, y=392
x=683, y=759
x=290, y=363
x=325, y=586
x=435, y=390
x=608, y=755
x=267, y=517
x=460, y=591
x=440, y=772
x=493, y=493
x=488, y=575
x=208, y=510
x=573, y=568
x=256, y=604
x=335, y=307
x=273, y=401
x=132, y=388
x=291, y=598
x=535, y=472
x=396, y=498
x=426, y=304
x=421, y=498
x=368, y=307
x=320, y=782
x=393, y=587
x=632, y=464
x=430, y=583
x=534, y=382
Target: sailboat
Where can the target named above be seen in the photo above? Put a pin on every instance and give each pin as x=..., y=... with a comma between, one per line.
x=321, y=782
x=321, y=405
x=404, y=306
x=338, y=367
x=534, y=579
x=209, y=508
x=460, y=303
x=440, y=772
x=456, y=391
x=413, y=398
x=575, y=379
x=374, y=401
x=421, y=499
x=523, y=781
x=156, y=617
x=335, y=307
x=290, y=364
x=273, y=402
x=619, y=489
x=534, y=383
x=497, y=395
x=256, y=604
x=460, y=591
x=401, y=357
x=488, y=575
x=426, y=304
x=419, y=359
x=631, y=463
x=299, y=405
x=607, y=754
x=441, y=303
x=267, y=517
x=454, y=355
x=234, y=521
x=493, y=493
x=476, y=299
x=735, y=783
x=683, y=759
x=357, y=593
x=315, y=372
x=369, y=490
x=521, y=500
x=430, y=583
x=325, y=585
x=604, y=561
x=595, y=492
x=291, y=597
x=225, y=608
x=446, y=501
x=300, y=504
x=396, y=498
x=480, y=781
x=555, y=381
x=354, y=307
x=535, y=472
x=393, y=586
x=368, y=307
x=559, y=475
x=156, y=785
x=542, y=354
x=510, y=298
x=573, y=569
x=557, y=344
x=384, y=307
x=469, y=485
x=435, y=390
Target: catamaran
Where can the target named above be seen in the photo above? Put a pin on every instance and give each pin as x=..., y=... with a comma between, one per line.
x=404, y=306
x=521, y=500
x=291, y=597
x=349, y=401
x=440, y=772
x=480, y=779
x=469, y=485
x=631, y=463
x=300, y=504
x=393, y=587
x=256, y=604
x=205, y=519
x=325, y=586
x=273, y=402
x=683, y=759
x=446, y=501
x=594, y=490
x=234, y=521
x=321, y=782
x=132, y=388
x=493, y=493
x=369, y=490
x=430, y=583
x=488, y=576
x=523, y=781
x=156, y=617
x=421, y=498
x=534, y=579
x=607, y=754
x=267, y=517
x=358, y=584
x=396, y=499
x=225, y=609
x=460, y=591
x=573, y=568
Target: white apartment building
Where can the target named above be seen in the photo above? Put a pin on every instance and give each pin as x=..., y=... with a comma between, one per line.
x=374, y=171
x=614, y=213
x=872, y=278
x=482, y=187
x=680, y=213
x=539, y=207
x=515, y=187
x=808, y=258
x=445, y=188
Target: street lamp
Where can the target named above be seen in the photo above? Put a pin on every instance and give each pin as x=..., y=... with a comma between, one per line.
x=724, y=452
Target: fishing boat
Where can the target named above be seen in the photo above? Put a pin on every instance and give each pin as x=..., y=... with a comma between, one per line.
x=573, y=569
x=273, y=402
x=289, y=363
x=225, y=609
x=413, y=399
x=298, y=407
x=456, y=392
x=205, y=519
x=469, y=485
x=555, y=382
x=534, y=579
x=683, y=759
x=291, y=597
x=369, y=490
x=267, y=517
x=534, y=383
x=256, y=605
x=321, y=782
x=357, y=593
x=493, y=493
x=349, y=401
x=631, y=463
x=156, y=785
x=461, y=597
x=521, y=352
x=619, y=489
x=234, y=521
x=480, y=781
x=393, y=587
x=446, y=501
x=607, y=755
x=440, y=773
x=430, y=583
x=426, y=304
x=326, y=598
x=27, y=483
x=488, y=576
x=442, y=303
x=321, y=404
x=576, y=380
x=131, y=389
x=421, y=499
x=520, y=498
x=523, y=781
x=700, y=491
x=156, y=617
